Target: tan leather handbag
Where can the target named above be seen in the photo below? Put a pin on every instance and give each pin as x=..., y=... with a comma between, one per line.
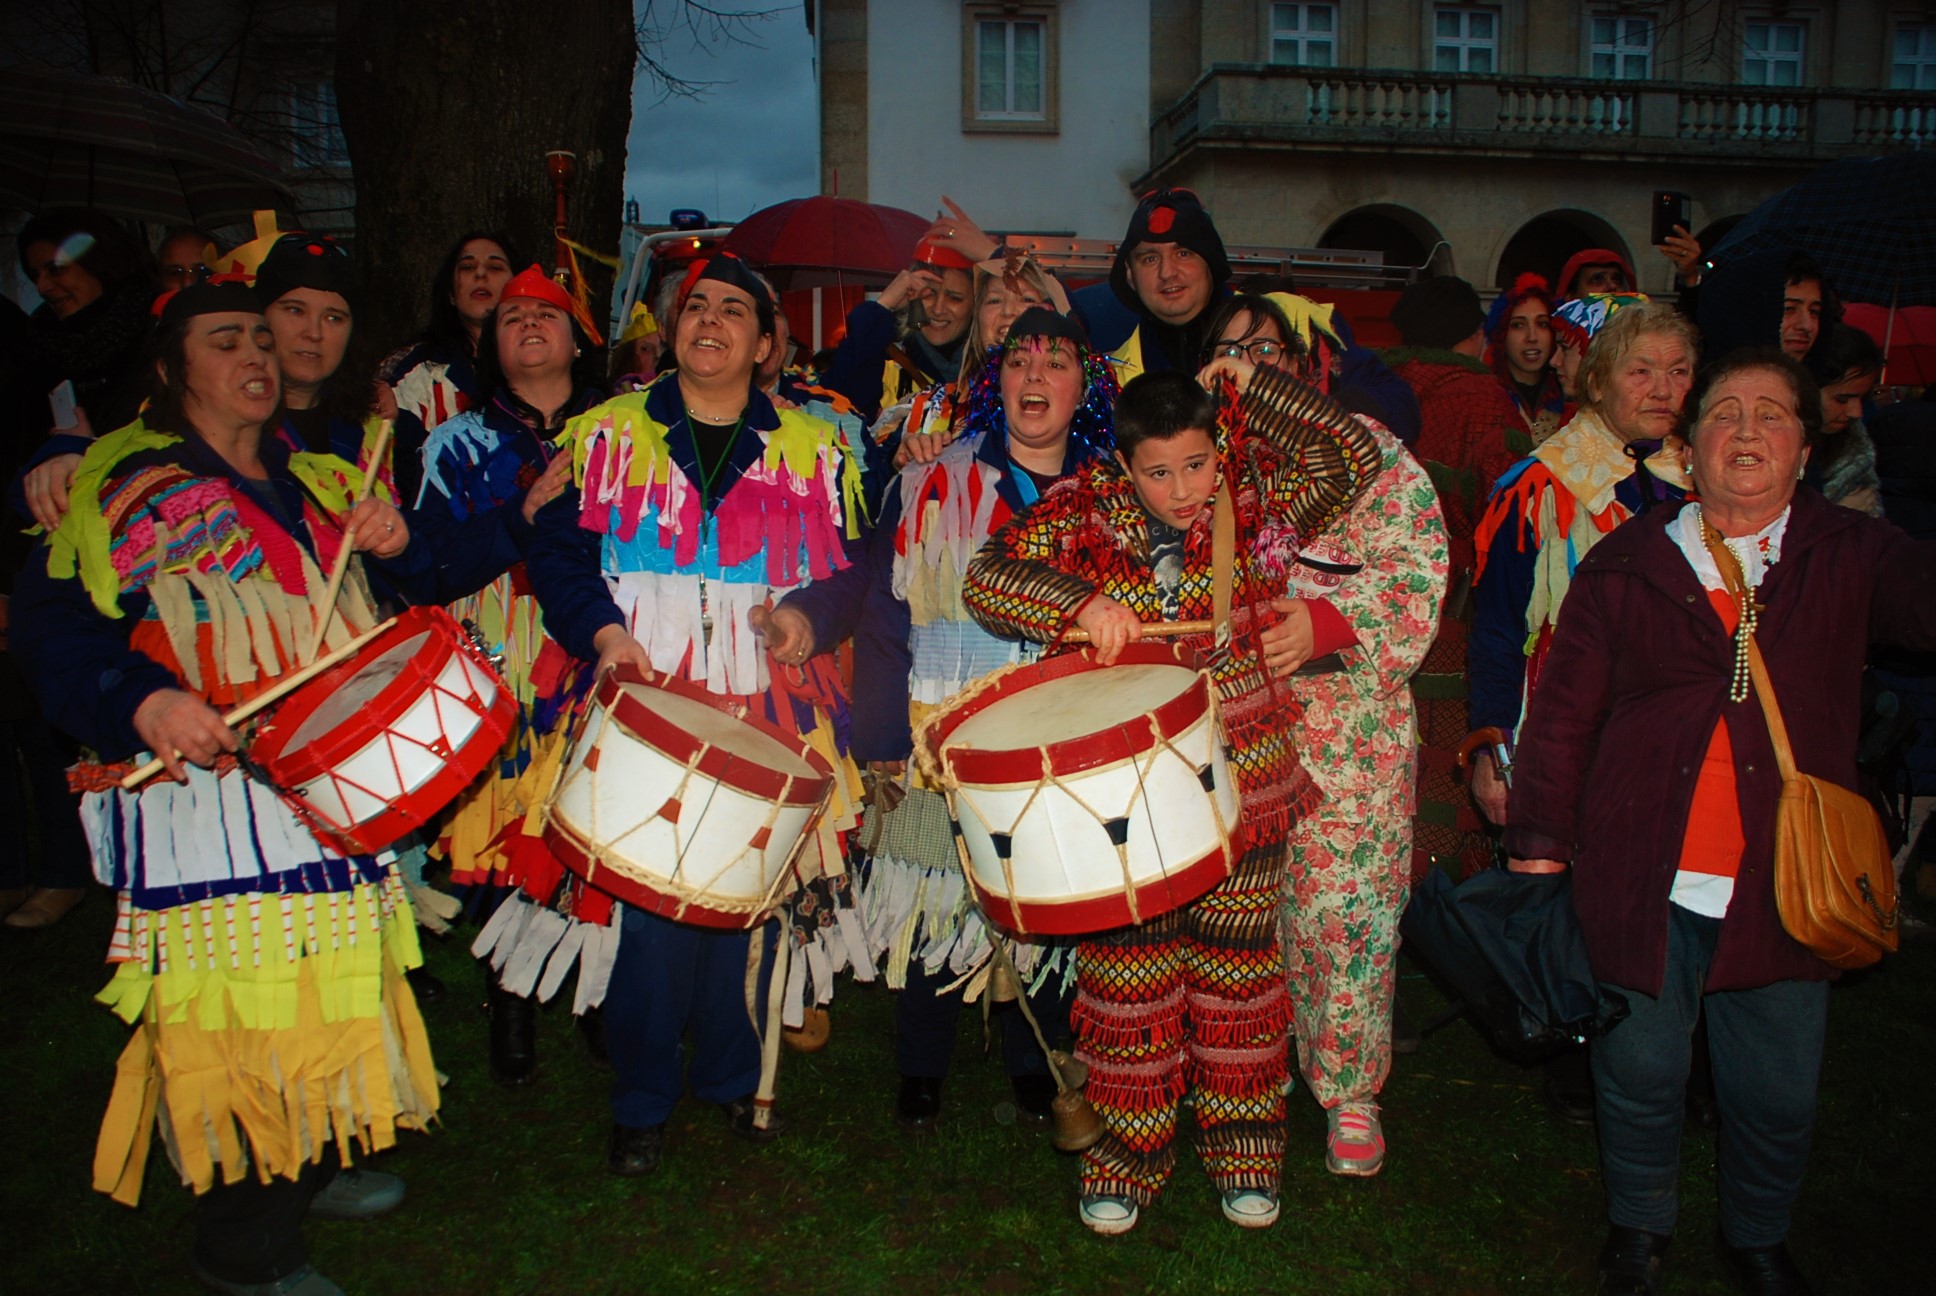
x=1835, y=883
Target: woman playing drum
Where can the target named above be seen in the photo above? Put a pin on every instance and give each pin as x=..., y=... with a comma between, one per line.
x=486, y=473
x=695, y=501
x=1039, y=411
x=264, y=969
x=1194, y=997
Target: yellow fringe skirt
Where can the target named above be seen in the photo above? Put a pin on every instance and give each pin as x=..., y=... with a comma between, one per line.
x=259, y=1052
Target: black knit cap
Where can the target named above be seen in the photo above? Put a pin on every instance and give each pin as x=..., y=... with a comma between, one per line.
x=1169, y=216
x=1438, y=313
x=1040, y=321
x=218, y=295
x=726, y=268
x=306, y=261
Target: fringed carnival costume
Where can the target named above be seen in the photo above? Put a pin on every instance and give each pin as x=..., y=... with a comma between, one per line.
x=477, y=468
x=1545, y=514
x=263, y=970
x=1194, y=999
x=679, y=553
x=916, y=647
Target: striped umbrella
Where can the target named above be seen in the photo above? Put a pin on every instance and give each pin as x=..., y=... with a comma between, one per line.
x=72, y=140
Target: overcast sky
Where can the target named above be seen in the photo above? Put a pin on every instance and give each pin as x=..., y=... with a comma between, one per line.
x=744, y=144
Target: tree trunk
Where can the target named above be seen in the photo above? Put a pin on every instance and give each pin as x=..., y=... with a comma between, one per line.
x=449, y=107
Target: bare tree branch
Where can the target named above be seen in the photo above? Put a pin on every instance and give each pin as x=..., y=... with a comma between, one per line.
x=702, y=25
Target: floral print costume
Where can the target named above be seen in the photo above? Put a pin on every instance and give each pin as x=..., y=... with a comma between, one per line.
x=1383, y=567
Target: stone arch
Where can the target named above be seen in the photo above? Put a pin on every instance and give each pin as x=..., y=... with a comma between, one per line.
x=1543, y=244
x=1405, y=237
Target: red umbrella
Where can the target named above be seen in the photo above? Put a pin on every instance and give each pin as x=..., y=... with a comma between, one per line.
x=1909, y=341
x=69, y=139
x=829, y=235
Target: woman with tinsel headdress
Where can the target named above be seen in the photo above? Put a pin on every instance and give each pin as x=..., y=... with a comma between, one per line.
x=1038, y=408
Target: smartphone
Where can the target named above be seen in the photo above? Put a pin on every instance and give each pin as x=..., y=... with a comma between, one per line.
x=61, y=402
x=1671, y=208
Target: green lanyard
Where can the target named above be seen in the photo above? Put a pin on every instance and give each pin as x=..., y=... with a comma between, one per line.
x=708, y=475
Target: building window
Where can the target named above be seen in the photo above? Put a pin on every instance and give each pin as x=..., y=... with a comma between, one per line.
x=1772, y=54
x=1009, y=72
x=1304, y=35
x=1622, y=49
x=315, y=132
x=1914, y=64
x=1465, y=40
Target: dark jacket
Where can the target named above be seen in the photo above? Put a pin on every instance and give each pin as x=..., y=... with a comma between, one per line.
x=1638, y=678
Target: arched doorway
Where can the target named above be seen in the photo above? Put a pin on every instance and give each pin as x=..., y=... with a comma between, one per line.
x=1405, y=237
x=1544, y=243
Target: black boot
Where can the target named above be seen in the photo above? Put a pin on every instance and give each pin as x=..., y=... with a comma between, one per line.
x=1766, y=1271
x=591, y=1025
x=514, y=1037
x=1633, y=1262
x=1034, y=1101
x=425, y=984
x=918, y=1105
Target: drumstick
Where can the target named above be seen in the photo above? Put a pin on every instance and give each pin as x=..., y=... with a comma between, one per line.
x=342, y=564
x=282, y=688
x=1154, y=630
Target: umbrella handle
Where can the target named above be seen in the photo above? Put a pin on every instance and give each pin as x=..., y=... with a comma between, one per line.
x=1492, y=738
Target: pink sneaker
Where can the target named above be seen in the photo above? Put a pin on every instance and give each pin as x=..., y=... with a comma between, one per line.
x=1356, y=1144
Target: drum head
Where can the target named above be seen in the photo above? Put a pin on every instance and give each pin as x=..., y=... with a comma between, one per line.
x=1059, y=709
x=715, y=728
x=352, y=696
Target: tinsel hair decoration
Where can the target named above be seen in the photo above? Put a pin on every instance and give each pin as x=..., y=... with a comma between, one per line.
x=1092, y=433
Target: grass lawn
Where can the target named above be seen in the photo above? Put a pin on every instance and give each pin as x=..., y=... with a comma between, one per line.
x=1483, y=1191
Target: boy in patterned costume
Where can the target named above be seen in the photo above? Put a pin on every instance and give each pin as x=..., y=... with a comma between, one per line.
x=1196, y=997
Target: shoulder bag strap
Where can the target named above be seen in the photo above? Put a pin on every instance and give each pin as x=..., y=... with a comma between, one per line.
x=1757, y=668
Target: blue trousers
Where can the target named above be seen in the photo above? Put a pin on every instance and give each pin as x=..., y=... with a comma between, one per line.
x=676, y=989
x=926, y=1022
x=1766, y=1049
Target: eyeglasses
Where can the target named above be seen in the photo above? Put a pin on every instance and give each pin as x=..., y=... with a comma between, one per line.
x=1262, y=351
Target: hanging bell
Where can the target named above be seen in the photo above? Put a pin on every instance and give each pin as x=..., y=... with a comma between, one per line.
x=810, y=1036
x=1001, y=983
x=1077, y=1126
x=1074, y=1073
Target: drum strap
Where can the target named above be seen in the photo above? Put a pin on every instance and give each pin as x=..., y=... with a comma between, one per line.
x=1223, y=556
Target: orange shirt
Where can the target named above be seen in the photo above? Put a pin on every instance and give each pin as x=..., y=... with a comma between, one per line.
x=1714, y=842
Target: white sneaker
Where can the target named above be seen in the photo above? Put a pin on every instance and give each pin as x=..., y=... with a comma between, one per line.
x=1108, y=1215
x=1250, y=1207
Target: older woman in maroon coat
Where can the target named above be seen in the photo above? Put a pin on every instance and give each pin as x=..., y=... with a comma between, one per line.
x=1645, y=764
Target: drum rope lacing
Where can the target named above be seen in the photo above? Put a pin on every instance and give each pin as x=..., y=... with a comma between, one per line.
x=1047, y=777
x=600, y=849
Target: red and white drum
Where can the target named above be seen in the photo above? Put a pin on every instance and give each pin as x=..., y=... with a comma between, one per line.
x=675, y=800
x=1090, y=797
x=378, y=744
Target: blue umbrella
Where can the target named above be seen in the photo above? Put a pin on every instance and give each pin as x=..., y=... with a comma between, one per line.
x=1869, y=222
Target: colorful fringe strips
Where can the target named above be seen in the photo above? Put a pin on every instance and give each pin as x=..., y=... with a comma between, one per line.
x=1194, y=999
x=250, y=1053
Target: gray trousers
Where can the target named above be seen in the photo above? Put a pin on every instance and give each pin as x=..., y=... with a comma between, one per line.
x=1766, y=1048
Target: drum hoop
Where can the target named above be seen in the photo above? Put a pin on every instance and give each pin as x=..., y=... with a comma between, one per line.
x=1106, y=910
x=741, y=773
x=1126, y=740
x=674, y=899
x=299, y=765
x=578, y=854
x=400, y=816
